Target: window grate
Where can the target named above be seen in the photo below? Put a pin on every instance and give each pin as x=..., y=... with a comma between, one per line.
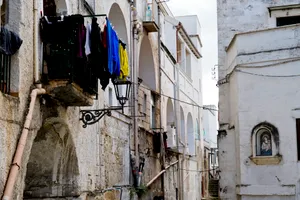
x=5, y=70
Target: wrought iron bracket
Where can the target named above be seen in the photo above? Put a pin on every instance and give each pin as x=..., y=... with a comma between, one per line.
x=89, y=117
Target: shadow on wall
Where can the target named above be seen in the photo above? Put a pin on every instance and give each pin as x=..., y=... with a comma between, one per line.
x=52, y=169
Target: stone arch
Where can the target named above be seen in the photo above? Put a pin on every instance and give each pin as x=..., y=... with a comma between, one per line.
x=116, y=17
x=182, y=125
x=190, y=134
x=259, y=132
x=146, y=64
x=170, y=114
x=52, y=169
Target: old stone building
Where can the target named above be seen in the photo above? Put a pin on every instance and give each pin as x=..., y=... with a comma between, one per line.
x=64, y=158
x=259, y=108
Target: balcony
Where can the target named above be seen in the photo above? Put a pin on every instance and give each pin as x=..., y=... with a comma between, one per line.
x=5, y=67
x=151, y=21
x=66, y=74
x=66, y=77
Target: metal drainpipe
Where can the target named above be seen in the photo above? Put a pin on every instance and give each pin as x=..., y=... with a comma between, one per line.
x=178, y=127
x=160, y=90
x=16, y=163
x=135, y=90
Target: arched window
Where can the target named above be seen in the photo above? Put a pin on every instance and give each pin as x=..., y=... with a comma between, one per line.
x=265, y=140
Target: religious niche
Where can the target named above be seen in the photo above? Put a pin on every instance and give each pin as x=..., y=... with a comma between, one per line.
x=265, y=144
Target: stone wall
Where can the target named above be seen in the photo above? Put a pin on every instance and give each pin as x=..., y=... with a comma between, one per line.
x=76, y=161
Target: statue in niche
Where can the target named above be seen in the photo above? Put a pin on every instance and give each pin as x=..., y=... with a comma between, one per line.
x=265, y=145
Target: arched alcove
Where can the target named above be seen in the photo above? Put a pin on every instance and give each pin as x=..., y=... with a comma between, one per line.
x=170, y=113
x=182, y=125
x=117, y=20
x=190, y=134
x=52, y=169
x=146, y=64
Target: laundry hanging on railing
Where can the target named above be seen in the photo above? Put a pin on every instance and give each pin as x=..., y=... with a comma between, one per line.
x=99, y=54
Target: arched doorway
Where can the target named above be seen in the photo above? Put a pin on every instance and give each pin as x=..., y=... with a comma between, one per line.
x=190, y=134
x=117, y=20
x=52, y=169
x=146, y=64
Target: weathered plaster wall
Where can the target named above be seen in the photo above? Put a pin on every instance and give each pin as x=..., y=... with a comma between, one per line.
x=241, y=108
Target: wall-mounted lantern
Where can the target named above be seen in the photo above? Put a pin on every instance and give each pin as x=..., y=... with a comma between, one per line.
x=122, y=89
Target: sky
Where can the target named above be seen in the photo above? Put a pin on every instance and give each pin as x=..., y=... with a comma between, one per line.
x=206, y=10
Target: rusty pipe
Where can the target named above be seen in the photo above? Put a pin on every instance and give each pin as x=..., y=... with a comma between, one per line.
x=16, y=164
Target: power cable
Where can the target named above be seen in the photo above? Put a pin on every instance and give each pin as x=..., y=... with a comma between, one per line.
x=185, y=102
x=266, y=75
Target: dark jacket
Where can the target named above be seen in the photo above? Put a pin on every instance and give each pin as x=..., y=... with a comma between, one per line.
x=10, y=42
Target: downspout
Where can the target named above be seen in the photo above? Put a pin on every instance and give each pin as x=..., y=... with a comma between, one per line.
x=132, y=102
x=16, y=164
x=135, y=85
x=178, y=127
x=160, y=91
x=36, y=41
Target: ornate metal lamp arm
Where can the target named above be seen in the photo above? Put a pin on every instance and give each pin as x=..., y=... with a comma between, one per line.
x=89, y=117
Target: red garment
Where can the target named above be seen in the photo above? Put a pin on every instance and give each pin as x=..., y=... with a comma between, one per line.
x=104, y=33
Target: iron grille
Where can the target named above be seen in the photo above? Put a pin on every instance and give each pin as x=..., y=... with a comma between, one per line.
x=5, y=65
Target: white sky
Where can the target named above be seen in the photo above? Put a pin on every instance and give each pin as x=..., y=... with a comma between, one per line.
x=207, y=14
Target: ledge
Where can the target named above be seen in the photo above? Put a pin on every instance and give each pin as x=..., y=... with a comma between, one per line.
x=260, y=160
x=266, y=190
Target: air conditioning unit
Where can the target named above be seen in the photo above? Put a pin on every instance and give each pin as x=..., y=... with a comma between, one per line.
x=171, y=141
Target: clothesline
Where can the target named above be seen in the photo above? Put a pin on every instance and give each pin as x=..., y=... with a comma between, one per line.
x=99, y=52
x=99, y=15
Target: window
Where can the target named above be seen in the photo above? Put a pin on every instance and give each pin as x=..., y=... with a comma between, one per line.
x=145, y=104
x=49, y=7
x=4, y=13
x=179, y=47
x=5, y=72
x=284, y=21
x=298, y=137
x=188, y=63
x=152, y=110
x=110, y=96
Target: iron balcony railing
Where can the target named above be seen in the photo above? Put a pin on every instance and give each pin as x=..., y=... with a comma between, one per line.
x=5, y=70
x=151, y=13
x=61, y=63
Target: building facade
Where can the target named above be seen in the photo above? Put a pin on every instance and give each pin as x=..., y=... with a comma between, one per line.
x=258, y=110
x=210, y=128
x=64, y=159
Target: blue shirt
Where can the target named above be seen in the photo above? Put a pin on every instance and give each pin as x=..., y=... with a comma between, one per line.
x=112, y=50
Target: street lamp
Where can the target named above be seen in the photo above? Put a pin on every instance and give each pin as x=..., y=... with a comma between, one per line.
x=122, y=89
